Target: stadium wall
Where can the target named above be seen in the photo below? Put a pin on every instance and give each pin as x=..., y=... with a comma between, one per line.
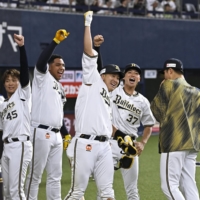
x=147, y=42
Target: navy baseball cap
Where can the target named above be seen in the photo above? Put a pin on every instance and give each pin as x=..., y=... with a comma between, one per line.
x=132, y=66
x=112, y=69
x=173, y=63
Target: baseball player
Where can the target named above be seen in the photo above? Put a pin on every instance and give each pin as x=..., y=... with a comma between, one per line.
x=90, y=151
x=15, y=123
x=130, y=109
x=177, y=107
x=1, y=151
x=48, y=99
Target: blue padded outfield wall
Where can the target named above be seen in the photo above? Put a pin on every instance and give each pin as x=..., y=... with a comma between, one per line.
x=147, y=42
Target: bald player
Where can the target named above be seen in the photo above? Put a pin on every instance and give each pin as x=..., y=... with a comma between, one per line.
x=15, y=123
x=48, y=99
x=90, y=151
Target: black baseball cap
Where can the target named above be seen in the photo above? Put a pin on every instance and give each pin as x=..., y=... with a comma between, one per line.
x=112, y=69
x=132, y=66
x=173, y=63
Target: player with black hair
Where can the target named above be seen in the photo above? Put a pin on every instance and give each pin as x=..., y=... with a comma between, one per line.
x=15, y=123
x=48, y=99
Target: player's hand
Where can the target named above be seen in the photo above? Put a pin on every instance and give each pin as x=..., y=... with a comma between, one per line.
x=140, y=147
x=19, y=39
x=60, y=35
x=98, y=40
x=66, y=141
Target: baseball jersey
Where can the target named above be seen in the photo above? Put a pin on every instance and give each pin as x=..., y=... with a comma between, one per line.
x=48, y=99
x=130, y=111
x=177, y=107
x=15, y=113
x=93, y=105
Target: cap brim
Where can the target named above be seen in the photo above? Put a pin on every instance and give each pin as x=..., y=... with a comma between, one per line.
x=121, y=74
x=134, y=68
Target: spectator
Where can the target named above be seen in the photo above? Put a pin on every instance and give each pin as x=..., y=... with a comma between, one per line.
x=123, y=8
x=108, y=4
x=153, y=5
x=167, y=10
x=139, y=7
x=171, y=6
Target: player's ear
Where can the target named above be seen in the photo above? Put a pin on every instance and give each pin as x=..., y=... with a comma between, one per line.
x=103, y=77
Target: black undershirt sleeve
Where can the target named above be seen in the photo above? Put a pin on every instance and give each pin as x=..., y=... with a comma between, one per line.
x=45, y=56
x=24, y=70
x=99, y=60
x=64, y=130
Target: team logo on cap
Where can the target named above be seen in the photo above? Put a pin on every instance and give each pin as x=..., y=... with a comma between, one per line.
x=47, y=135
x=117, y=68
x=133, y=65
x=171, y=65
x=89, y=147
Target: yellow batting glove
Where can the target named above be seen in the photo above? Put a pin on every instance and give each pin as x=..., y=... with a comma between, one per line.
x=66, y=141
x=60, y=35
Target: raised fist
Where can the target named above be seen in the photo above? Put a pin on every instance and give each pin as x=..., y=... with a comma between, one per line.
x=19, y=39
x=98, y=40
x=60, y=35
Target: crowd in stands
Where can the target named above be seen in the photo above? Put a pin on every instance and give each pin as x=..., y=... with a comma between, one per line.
x=150, y=8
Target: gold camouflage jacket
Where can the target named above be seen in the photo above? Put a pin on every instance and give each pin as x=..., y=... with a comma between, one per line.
x=177, y=108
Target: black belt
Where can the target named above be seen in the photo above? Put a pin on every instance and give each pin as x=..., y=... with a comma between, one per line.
x=6, y=141
x=56, y=130
x=99, y=138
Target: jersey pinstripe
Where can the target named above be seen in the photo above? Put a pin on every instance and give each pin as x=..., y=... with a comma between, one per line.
x=130, y=111
x=44, y=87
x=177, y=107
x=92, y=110
x=15, y=113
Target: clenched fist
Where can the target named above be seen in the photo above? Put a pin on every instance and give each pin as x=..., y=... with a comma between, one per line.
x=60, y=35
x=19, y=39
x=98, y=40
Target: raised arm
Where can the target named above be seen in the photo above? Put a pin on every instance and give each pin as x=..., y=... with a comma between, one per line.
x=98, y=40
x=46, y=54
x=87, y=34
x=24, y=70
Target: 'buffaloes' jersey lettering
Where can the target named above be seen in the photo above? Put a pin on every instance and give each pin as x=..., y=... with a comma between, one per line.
x=105, y=96
x=6, y=110
x=61, y=93
x=124, y=104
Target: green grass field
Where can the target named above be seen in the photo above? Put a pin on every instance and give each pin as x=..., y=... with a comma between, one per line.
x=149, y=180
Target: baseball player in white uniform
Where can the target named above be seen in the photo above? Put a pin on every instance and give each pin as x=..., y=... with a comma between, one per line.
x=1, y=151
x=15, y=123
x=48, y=99
x=130, y=108
x=90, y=151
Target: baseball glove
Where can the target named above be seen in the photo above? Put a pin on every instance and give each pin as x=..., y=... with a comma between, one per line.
x=125, y=143
x=66, y=141
x=60, y=35
x=125, y=162
x=126, y=147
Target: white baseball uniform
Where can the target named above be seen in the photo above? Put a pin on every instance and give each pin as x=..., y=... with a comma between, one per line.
x=48, y=99
x=17, y=153
x=92, y=123
x=128, y=113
